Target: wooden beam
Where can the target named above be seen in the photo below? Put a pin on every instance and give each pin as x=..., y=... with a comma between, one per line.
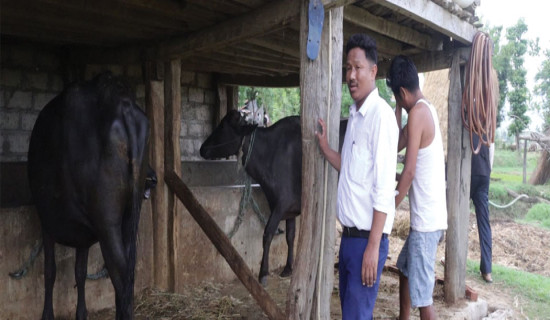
x=266, y=19
x=154, y=96
x=365, y=19
x=271, y=16
x=172, y=154
x=220, y=109
x=429, y=61
x=321, y=83
x=385, y=45
x=223, y=245
x=458, y=191
x=276, y=46
x=274, y=65
x=289, y=81
x=434, y=16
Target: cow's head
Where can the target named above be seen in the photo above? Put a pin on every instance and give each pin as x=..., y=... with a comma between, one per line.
x=227, y=137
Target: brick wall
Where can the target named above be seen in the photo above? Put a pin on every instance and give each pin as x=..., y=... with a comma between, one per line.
x=198, y=100
x=31, y=75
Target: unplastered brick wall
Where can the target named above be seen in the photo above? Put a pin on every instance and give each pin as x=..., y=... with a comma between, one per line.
x=198, y=98
x=30, y=76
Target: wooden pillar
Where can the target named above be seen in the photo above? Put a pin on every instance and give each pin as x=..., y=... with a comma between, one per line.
x=320, y=83
x=172, y=156
x=524, y=161
x=458, y=191
x=232, y=98
x=154, y=95
x=221, y=108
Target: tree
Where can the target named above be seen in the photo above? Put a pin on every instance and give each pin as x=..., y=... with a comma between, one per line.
x=284, y=102
x=519, y=94
x=542, y=89
x=501, y=63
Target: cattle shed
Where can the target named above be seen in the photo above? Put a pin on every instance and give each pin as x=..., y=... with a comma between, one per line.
x=186, y=59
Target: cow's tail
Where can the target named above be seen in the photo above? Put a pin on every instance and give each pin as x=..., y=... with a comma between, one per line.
x=137, y=129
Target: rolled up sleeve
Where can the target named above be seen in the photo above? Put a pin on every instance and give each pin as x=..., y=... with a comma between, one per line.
x=384, y=145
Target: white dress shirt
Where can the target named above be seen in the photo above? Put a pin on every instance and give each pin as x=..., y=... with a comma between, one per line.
x=368, y=166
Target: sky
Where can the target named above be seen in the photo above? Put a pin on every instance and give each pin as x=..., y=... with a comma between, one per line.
x=506, y=13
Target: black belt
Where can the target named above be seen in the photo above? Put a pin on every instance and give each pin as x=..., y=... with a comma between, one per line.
x=353, y=232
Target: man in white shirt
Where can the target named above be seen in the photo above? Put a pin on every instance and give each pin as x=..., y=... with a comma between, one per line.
x=366, y=186
x=424, y=178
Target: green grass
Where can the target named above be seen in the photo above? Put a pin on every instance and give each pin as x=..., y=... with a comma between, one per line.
x=507, y=174
x=539, y=215
x=534, y=288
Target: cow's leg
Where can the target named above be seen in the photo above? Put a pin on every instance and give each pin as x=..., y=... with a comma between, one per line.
x=115, y=260
x=290, y=232
x=80, y=271
x=129, y=233
x=49, y=276
x=269, y=232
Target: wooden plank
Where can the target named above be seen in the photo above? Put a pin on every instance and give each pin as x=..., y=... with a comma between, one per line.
x=320, y=83
x=385, y=45
x=260, y=21
x=276, y=46
x=154, y=95
x=429, y=61
x=365, y=19
x=223, y=245
x=434, y=16
x=266, y=19
x=292, y=80
x=172, y=154
x=220, y=110
x=458, y=191
x=324, y=287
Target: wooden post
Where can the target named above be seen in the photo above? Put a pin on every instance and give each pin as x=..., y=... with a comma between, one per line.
x=223, y=245
x=524, y=161
x=154, y=94
x=232, y=98
x=172, y=154
x=458, y=191
x=221, y=109
x=321, y=83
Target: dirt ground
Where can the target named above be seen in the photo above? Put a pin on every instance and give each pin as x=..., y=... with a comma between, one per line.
x=514, y=245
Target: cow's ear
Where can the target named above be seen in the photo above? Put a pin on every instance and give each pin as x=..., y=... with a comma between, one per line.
x=234, y=118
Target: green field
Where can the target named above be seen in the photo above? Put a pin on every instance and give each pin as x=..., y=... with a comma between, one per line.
x=507, y=174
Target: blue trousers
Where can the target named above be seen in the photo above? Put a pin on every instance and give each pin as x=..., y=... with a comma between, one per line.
x=357, y=300
x=479, y=193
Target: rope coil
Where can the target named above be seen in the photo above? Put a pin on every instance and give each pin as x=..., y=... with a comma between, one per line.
x=479, y=98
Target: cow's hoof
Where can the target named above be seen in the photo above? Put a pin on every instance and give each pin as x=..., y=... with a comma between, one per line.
x=287, y=272
x=263, y=281
x=279, y=231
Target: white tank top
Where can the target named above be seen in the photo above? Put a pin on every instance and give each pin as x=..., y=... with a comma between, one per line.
x=428, y=191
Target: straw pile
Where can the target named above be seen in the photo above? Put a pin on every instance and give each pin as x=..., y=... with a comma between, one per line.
x=436, y=90
x=520, y=246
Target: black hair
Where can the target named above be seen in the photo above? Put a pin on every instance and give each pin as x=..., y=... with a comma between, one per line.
x=402, y=74
x=363, y=41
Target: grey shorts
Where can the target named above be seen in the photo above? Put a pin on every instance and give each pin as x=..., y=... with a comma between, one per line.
x=417, y=262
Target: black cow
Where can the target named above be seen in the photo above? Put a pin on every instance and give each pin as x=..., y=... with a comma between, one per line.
x=87, y=172
x=275, y=162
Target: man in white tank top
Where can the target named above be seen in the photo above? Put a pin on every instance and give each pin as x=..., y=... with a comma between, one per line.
x=423, y=177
